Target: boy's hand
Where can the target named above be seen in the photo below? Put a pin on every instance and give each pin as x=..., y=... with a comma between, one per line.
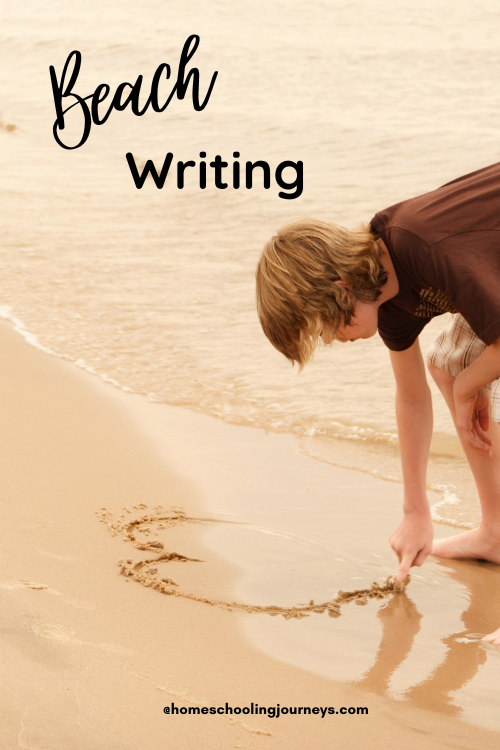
x=412, y=541
x=473, y=418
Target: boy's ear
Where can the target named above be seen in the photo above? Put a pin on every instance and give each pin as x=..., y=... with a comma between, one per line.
x=346, y=286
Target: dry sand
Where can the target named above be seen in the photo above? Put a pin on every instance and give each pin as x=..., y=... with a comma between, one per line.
x=91, y=657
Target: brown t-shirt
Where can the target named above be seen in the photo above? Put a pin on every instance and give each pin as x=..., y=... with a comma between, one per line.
x=445, y=247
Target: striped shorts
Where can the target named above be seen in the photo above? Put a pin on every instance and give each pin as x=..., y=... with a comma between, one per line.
x=456, y=348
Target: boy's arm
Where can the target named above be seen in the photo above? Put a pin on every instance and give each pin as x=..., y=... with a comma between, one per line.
x=412, y=540
x=471, y=407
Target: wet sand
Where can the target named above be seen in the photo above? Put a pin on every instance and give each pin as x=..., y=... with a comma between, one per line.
x=91, y=655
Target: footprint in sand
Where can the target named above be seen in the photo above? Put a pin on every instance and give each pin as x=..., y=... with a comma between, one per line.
x=24, y=584
x=55, y=632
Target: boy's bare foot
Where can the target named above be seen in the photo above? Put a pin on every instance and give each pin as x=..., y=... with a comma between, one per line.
x=493, y=637
x=472, y=545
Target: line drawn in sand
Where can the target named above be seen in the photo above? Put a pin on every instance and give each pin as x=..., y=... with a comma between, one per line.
x=146, y=572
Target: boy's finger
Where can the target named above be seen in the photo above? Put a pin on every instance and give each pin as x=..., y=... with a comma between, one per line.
x=483, y=419
x=474, y=439
x=482, y=435
x=404, y=568
x=480, y=445
x=421, y=557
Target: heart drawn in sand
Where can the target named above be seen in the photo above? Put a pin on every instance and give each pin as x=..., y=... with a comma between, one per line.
x=146, y=571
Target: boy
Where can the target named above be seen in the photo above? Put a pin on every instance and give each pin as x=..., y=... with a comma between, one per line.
x=439, y=252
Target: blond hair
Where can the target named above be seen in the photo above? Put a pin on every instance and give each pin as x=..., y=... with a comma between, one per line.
x=296, y=289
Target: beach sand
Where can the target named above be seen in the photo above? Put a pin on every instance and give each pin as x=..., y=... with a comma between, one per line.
x=90, y=657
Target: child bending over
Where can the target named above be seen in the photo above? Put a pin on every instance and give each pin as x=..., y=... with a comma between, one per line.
x=437, y=253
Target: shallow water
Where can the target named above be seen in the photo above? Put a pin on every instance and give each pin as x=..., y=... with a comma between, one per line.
x=297, y=531
x=154, y=289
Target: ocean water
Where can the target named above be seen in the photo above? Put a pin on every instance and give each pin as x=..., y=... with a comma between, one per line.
x=154, y=289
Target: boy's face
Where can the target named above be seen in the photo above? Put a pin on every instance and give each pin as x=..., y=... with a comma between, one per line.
x=363, y=325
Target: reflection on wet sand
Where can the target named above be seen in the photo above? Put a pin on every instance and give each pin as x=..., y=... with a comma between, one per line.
x=465, y=653
x=400, y=624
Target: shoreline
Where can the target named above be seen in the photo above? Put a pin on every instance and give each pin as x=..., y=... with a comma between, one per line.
x=363, y=449
x=111, y=654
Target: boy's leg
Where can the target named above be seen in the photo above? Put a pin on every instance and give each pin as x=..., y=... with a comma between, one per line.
x=484, y=542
